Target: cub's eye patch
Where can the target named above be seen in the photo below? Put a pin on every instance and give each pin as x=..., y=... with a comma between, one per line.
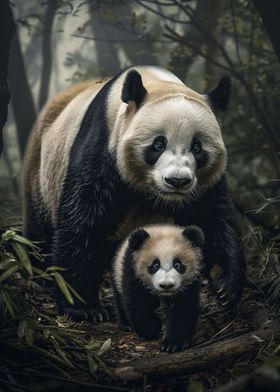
x=154, y=151
x=179, y=266
x=152, y=269
x=199, y=153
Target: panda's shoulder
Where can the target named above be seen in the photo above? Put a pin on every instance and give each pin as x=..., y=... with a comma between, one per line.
x=59, y=102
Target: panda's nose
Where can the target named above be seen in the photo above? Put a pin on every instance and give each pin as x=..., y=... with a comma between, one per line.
x=177, y=182
x=166, y=286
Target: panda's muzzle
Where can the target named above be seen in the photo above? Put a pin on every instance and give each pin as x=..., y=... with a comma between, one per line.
x=178, y=182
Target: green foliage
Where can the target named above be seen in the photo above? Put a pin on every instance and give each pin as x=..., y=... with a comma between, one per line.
x=28, y=331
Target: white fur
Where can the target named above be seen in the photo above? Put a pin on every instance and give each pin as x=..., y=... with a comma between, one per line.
x=118, y=266
x=56, y=144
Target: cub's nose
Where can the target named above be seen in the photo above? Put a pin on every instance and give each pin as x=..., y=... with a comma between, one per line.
x=166, y=286
x=178, y=182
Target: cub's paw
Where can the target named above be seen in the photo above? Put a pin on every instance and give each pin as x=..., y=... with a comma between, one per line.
x=170, y=345
x=87, y=314
x=229, y=291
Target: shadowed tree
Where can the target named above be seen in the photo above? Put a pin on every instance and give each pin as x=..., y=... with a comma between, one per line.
x=22, y=101
x=107, y=55
x=47, y=51
x=7, y=29
x=270, y=11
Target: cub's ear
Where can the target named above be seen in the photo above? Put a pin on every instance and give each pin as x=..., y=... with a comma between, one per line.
x=133, y=89
x=195, y=235
x=219, y=97
x=137, y=238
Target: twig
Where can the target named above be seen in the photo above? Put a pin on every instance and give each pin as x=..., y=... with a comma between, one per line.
x=235, y=31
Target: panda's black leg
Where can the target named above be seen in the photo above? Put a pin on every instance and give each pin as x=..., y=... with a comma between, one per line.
x=120, y=312
x=181, y=320
x=140, y=306
x=88, y=289
x=224, y=244
x=84, y=264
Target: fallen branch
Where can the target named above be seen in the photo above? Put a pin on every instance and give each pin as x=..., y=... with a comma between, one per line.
x=197, y=359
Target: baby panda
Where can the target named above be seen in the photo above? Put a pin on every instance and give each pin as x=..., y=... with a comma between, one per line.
x=159, y=264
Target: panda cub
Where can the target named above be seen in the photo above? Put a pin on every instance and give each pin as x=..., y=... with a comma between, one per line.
x=159, y=264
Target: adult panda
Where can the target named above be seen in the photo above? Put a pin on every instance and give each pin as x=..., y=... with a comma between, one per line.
x=105, y=158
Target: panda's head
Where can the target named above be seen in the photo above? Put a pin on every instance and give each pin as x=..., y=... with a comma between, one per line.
x=169, y=140
x=167, y=258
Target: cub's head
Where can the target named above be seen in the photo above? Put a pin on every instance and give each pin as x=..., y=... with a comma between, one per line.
x=167, y=258
x=169, y=141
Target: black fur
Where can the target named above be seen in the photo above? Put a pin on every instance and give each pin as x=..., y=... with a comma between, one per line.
x=201, y=158
x=152, y=154
x=219, y=97
x=195, y=235
x=133, y=89
x=216, y=216
x=138, y=238
x=181, y=319
x=136, y=305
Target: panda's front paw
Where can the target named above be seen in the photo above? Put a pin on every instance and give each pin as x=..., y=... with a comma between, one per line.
x=229, y=290
x=87, y=314
x=170, y=345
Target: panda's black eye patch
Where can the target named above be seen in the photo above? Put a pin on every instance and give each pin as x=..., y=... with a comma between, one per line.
x=154, y=267
x=178, y=265
x=199, y=153
x=196, y=146
x=154, y=151
x=159, y=143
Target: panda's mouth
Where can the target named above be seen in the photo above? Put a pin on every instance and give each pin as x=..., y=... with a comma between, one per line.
x=167, y=293
x=172, y=195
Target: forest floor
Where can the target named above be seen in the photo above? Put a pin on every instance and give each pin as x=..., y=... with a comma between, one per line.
x=227, y=344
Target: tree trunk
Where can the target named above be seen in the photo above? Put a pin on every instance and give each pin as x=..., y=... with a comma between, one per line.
x=47, y=52
x=210, y=18
x=22, y=100
x=7, y=29
x=107, y=55
x=270, y=11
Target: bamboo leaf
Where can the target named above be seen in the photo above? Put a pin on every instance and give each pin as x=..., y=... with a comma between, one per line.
x=9, y=272
x=7, y=262
x=105, y=347
x=8, y=235
x=91, y=365
x=55, y=268
x=23, y=257
x=10, y=305
x=25, y=241
x=74, y=292
x=63, y=287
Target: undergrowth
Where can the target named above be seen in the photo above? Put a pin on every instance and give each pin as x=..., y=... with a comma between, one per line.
x=35, y=342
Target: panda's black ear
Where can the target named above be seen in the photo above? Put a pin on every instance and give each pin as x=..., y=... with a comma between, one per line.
x=219, y=97
x=133, y=89
x=137, y=239
x=195, y=235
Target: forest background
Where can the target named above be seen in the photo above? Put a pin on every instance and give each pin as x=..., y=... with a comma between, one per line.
x=58, y=43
